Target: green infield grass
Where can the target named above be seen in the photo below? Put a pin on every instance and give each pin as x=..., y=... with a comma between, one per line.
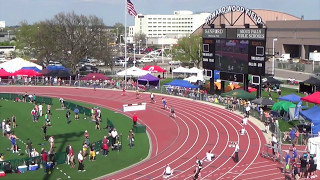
x=72, y=133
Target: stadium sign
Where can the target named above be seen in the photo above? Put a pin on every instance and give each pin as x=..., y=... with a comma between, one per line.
x=233, y=8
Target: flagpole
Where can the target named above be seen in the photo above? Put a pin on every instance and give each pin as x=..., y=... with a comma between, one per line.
x=125, y=43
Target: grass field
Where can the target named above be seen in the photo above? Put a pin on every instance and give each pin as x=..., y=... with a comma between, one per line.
x=70, y=133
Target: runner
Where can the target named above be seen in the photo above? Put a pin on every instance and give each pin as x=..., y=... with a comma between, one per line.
x=123, y=92
x=152, y=98
x=173, y=114
x=137, y=94
x=164, y=102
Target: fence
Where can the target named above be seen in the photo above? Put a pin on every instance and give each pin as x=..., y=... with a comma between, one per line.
x=13, y=97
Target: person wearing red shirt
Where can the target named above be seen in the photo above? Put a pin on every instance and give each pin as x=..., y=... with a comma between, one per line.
x=134, y=119
x=44, y=160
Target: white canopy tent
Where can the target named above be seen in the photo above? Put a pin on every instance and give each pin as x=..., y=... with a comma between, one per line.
x=193, y=79
x=18, y=63
x=181, y=70
x=133, y=71
x=314, y=148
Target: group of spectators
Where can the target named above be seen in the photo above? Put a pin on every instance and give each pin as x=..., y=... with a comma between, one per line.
x=306, y=161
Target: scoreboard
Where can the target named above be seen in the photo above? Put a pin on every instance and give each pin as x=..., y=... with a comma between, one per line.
x=234, y=51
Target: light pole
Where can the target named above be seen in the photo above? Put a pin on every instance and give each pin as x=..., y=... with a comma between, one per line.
x=314, y=57
x=162, y=51
x=120, y=45
x=139, y=45
x=134, y=54
x=275, y=39
x=146, y=42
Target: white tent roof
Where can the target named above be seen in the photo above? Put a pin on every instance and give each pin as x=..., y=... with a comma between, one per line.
x=181, y=70
x=195, y=70
x=18, y=63
x=133, y=71
x=193, y=79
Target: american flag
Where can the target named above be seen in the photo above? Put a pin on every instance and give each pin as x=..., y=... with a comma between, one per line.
x=131, y=9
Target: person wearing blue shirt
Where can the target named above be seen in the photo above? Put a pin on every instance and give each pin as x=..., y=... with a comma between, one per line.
x=292, y=134
x=287, y=167
x=76, y=114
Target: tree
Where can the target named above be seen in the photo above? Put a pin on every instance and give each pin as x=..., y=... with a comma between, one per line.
x=67, y=38
x=119, y=30
x=189, y=49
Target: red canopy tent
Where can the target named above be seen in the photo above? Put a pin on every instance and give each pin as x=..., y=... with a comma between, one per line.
x=251, y=89
x=155, y=69
x=4, y=73
x=313, y=98
x=26, y=72
x=95, y=76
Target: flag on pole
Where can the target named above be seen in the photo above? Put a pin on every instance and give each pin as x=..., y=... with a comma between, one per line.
x=131, y=9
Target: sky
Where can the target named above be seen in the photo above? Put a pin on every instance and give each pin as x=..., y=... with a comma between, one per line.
x=13, y=12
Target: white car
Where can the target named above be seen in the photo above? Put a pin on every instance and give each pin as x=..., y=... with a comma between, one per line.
x=144, y=60
x=174, y=62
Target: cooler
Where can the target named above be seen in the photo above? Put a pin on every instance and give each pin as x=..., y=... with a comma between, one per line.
x=50, y=165
x=139, y=128
x=33, y=167
x=2, y=174
x=23, y=169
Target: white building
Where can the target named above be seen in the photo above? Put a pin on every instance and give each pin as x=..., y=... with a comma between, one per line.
x=167, y=29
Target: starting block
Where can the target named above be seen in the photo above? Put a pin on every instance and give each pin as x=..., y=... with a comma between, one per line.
x=134, y=107
x=232, y=143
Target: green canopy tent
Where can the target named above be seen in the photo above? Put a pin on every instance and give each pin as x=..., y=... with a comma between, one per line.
x=239, y=93
x=282, y=105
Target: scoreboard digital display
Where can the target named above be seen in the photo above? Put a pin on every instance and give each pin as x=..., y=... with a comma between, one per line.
x=235, y=50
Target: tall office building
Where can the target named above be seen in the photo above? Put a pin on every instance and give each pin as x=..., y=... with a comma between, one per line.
x=167, y=29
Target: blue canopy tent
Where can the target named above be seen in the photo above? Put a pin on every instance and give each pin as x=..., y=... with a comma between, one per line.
x=291, y=98
x=313, y=115
x=181, y=83
x=33, y=68
x=149, y=79
x=51, y=68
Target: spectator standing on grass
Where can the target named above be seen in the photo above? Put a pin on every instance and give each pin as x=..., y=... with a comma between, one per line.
x=51, y=141
x=105, y=147
x=44, y=160
x=61, y=102
x=76, y=114
x=40, y=109
x=14, y=121
x=71, y=154
x=44, y=130
x=80, y=160
x=68, y=153
x=3, y=127
x=29, y=147
x=131, y=138
x=114, y=135
x=33, y=114
x=134, y=119
x=85, y=149
x=68, y=116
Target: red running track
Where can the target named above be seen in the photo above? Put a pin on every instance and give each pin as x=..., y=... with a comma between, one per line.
x=199, y=127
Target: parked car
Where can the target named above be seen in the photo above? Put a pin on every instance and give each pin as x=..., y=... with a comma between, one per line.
x=88, y=68
x=146, y=58
x=54, y=63
x=174, y=62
